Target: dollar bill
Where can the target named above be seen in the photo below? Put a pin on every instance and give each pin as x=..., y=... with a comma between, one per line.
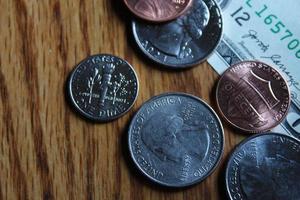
x=268, y=31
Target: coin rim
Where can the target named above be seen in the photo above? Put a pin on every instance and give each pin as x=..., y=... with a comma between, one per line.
x=223, y=4
x=188, y=6
x=178, y=66
x=244, y=129
x=242, y=143
x=88, y=116
x=221, y=134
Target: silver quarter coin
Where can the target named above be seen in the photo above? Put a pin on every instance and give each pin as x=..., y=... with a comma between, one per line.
x=265, y=167
x=176, y=139
x=184, y=42
x=103, y=87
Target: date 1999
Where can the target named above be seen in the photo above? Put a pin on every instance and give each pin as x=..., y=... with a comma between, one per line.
x=271, y=20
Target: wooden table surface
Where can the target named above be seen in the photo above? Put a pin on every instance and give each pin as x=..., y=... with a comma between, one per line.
x=46, y=150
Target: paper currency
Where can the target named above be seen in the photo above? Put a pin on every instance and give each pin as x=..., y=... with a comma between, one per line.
x=268, y=31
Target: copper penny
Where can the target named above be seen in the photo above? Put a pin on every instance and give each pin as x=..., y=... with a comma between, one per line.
x=158, y=10
x=253, y=96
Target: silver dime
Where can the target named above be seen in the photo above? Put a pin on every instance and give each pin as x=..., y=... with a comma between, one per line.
x=176, y=139
x=103, y=87
x=265, y=167
x=184, y=42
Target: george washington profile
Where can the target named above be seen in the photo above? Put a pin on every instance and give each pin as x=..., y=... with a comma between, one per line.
x=171, y=140
x=172, y=38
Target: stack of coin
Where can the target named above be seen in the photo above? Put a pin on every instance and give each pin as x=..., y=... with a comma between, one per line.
x=176, y=34
x=176, y=139
x=254, y=98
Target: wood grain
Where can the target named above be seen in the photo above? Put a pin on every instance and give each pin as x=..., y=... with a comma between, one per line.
x=46, y=150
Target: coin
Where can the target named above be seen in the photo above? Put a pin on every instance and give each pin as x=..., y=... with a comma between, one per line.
x=253, y=96
x=103, y=87
x=185, y=41
x=176, y=139
x=158, y=10
x=264, y=167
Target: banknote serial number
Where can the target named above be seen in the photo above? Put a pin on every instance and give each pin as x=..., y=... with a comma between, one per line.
x=275, y=24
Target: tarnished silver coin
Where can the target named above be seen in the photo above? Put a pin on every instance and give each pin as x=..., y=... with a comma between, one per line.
x=103, y=87
x=184, y=42
x=176, y=139
x=265, y=167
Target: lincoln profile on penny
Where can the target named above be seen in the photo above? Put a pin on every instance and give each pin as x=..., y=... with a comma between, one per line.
x=155, y=8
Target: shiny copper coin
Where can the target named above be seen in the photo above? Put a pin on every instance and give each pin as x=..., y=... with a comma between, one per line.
x=158, y=10
x=253, y=96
